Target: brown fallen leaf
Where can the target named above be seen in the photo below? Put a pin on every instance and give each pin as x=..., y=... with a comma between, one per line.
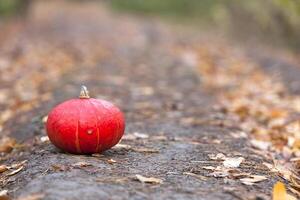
x=151, y=180
x=58, y=167
x=195, y=175
x=32, y=197
x=279, y=192
x=252, y=179
x=3, y=168
x=240, y=175
x=7, y=144
x=4, y=195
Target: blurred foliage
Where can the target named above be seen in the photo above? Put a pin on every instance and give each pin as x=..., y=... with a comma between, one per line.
x=275, y=21
x=174, y=8
x=11, y=7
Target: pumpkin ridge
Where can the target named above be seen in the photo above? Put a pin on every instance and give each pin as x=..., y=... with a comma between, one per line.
x=98, y=146
x=77, y=144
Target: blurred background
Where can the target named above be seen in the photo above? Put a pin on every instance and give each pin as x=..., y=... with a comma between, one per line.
x=276, y=22
x=49, y=48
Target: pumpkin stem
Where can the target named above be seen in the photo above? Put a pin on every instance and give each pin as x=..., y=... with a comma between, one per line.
x=84, y=93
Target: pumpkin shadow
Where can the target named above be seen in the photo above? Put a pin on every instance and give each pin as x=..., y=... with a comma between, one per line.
x=108, y=153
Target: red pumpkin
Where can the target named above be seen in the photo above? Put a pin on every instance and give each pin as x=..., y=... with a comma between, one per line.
x=85, y=125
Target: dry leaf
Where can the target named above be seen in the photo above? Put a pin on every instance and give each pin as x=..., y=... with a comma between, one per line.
x=17, y=165
x=4, y=195
x=7, y=144
x=15, y=171
x=58, y=167
x=279, y=191
x=3, y=168
x=233, y=162
x=151, y=180
x=252, y=179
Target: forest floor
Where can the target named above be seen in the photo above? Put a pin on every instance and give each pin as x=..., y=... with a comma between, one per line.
x=205, y=118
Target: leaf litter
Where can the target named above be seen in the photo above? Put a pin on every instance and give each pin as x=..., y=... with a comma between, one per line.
x=259, y=104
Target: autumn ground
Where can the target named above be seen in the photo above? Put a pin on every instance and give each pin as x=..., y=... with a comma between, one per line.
x=205, y=118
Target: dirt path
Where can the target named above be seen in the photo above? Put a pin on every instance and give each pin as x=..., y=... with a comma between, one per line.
x=169, y=114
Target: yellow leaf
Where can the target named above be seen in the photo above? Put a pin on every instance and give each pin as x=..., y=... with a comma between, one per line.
x=279, y=192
